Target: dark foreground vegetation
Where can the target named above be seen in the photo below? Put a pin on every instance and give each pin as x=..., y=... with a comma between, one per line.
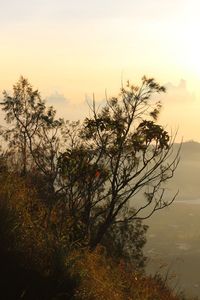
x=67, y=227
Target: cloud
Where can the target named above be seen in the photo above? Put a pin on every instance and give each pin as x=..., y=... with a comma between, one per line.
x=178, y=93
x=94, y=9
x=23, y=11
x=67, y=108
x=56, y=99
x=180, y=109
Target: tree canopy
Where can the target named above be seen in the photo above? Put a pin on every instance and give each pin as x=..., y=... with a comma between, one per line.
x=91, y=172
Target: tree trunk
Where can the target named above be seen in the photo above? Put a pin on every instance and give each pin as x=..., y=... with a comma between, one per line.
x=100, y=234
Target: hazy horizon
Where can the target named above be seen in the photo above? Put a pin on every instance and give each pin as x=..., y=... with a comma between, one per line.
x=78, y=48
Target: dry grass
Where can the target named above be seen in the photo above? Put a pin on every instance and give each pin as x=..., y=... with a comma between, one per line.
x=40, y=236
x=101, y=279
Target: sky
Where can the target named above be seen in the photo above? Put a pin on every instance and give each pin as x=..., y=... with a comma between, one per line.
x=72, y=49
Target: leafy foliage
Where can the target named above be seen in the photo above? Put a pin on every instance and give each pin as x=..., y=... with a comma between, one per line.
x=70, y=187
x=124, y=242
x=33, y=132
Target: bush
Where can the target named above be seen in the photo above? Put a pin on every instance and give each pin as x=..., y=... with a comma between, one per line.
x=100, y=278
x=125, y=241
x=31, y=254
x=37, y=261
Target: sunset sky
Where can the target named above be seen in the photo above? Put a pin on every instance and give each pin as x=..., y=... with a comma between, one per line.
x=70, y=49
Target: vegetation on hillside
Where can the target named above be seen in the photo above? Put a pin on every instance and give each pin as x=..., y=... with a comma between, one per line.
x=68, y=223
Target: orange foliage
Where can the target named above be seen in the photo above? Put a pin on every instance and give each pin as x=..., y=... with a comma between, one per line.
x=101, y=279
x=41, y=234
x=38, y=233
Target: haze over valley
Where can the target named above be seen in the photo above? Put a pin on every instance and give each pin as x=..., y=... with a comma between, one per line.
x=173, y=238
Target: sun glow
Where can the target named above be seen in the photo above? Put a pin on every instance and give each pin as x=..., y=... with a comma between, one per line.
x=190, y=40
x=192, y=50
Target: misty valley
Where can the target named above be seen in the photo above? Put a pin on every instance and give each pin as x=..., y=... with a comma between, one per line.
x=173, y=237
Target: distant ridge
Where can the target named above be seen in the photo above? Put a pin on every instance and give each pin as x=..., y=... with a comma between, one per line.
x=187, y=175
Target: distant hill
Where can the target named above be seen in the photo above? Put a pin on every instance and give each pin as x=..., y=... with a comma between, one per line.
x=190, y=150
x=187, y=175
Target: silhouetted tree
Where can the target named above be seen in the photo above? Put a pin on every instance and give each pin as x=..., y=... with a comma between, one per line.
x=33, y=133
x=93, y=171
x=119, y=152
x=125, y=241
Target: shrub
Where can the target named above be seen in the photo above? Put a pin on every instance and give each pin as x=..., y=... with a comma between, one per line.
x=100, y=278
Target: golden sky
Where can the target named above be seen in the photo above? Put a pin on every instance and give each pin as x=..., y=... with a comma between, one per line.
x=74, y=48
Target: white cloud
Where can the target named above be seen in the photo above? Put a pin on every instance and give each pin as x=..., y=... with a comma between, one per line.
x=56, y=99
x=178, y=93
